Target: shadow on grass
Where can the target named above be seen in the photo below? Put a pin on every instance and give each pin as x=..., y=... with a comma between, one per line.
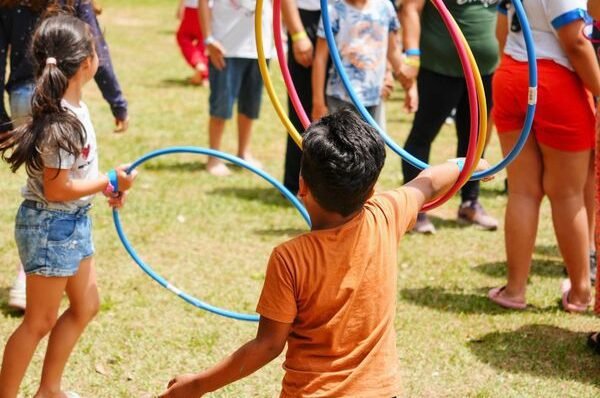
x=542, y=351
x=6, y=310
x=174, y=166
x=269, y=196
x=439, y=298
x=545, y=268
x=176, y=82
x=547, y=250
x=442, y=299
x=281, y=231
x=446, y=223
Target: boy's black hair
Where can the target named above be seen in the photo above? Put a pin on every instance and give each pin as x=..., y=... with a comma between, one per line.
x=342, y=157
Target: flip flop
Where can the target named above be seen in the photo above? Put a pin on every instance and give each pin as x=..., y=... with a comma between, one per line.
x=565, y=286
x=593, y=342
x=494, y=295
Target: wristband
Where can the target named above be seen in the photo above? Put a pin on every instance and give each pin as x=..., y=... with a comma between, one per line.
x=414, y=52
x=299, y=36
x=411, y=61
x=460, y=162
x=113, y=180
x=209, y=40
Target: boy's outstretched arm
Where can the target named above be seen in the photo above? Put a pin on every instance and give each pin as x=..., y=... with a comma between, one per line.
x=435, y=180
x=266, y=346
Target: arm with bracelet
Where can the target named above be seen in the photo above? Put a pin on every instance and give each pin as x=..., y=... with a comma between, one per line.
x=302, y=47
x=410, y=19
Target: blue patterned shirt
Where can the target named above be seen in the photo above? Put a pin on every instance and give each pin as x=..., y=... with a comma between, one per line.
x=361, y=36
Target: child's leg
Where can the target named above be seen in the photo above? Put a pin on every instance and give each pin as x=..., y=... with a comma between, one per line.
x=590, y=192
x=565, y=175
x=43, y=300
x=220, y=110
x=185, y=38
x=522, y=212
x=249, y=95
x=83, y=306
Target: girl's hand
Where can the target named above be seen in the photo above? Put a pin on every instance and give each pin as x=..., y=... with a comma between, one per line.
x=388, y=86
x=318, y=111
x=125, y=180
x=182, y=386
x=117, y=201
x=121, y=125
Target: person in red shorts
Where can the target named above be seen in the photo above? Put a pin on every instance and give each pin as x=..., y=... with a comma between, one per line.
x=555, y=159
x=191, y=41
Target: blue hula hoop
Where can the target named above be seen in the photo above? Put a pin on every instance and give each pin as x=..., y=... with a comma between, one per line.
x=158, y=278
x=532, y=99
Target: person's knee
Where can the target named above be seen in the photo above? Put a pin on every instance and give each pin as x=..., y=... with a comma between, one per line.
x=531, y=192
x=86, y=311
x=41, y=324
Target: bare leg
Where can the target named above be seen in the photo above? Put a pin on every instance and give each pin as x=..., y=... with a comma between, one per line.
x=244, y=135
x=565, y=175
x=522, y=213
x=84, y=302
x=590, y=191
x=216, y=127
x=43, y=300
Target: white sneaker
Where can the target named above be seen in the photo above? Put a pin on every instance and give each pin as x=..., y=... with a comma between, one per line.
x=16, y=295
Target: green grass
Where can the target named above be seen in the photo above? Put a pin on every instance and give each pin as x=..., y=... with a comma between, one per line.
x=213, y=237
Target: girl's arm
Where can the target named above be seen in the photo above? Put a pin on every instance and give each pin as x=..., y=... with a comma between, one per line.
x=266, y=346
x=501, y=30
x=319, y=71
x=59, y=187
x=581, y=54
x=410, y=20
x=105, y=78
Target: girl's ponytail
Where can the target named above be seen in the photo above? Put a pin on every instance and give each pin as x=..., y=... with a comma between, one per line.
x=59, y=46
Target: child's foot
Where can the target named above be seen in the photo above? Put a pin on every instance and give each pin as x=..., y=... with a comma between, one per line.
x=217, y=168
x=570, y=303
x=498, y=295
x=197, y=79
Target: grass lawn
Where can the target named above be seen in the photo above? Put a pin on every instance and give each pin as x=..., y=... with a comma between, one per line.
x=212, y=237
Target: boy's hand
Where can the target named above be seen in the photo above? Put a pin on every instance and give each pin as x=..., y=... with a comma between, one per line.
x=484, y=165
x=216, y=53
x=318, y=111
x=388, y=86
x=411, y=99
x=121, y=125
x=125, y=180
x=182, y=386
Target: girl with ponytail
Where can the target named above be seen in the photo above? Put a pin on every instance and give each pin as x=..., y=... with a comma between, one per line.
x=57, y=147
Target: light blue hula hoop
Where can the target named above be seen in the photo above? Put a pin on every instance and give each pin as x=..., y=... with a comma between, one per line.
x=158, y=278
x=532, y=96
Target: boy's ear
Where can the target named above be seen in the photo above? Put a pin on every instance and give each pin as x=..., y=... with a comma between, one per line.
x=302, y=187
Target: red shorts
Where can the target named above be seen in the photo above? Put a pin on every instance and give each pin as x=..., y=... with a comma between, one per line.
x=565, y=115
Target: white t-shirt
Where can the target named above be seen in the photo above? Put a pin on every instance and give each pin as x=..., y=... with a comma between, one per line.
x=84, y=167
x=310, y=5
x=233, y=26
x=545, y=18
x=190, y=3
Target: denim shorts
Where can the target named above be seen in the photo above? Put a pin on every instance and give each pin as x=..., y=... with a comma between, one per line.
x=20, y=103
x=52, y=242
x=241, y=80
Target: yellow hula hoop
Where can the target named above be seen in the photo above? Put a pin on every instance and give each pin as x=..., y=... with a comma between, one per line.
x=264, y=71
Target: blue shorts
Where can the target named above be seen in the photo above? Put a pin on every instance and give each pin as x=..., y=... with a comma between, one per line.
x=241, y=80
x=52, y=242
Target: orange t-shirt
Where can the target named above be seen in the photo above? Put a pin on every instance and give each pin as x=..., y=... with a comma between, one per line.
x=337, y=287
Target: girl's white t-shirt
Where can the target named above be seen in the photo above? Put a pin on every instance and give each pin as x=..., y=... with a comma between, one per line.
x=82, y=167
x=545, y=18
x=190, y=3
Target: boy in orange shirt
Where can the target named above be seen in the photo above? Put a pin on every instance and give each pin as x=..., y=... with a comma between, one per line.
x=330, y=293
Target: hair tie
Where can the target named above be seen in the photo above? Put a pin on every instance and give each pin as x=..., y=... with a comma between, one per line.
x=50, y=61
